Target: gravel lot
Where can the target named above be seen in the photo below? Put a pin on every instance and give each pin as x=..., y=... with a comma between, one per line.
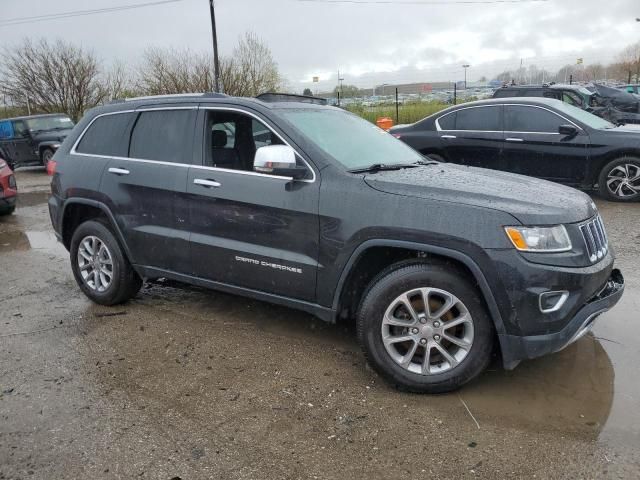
x=187, y=383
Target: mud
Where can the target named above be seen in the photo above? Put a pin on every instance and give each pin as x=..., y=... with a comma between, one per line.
x=187, y=383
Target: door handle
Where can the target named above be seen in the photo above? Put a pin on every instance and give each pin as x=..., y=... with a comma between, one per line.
x=448, y=136
x=514, y=139
x=207, y=183
x=119, y=171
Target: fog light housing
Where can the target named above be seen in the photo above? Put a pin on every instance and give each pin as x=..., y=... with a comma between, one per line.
x=552, y=301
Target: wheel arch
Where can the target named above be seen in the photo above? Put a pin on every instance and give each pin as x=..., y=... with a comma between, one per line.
x=79, y=210
x=349, y=289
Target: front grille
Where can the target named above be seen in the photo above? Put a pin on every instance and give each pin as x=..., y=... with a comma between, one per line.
x=595, y=239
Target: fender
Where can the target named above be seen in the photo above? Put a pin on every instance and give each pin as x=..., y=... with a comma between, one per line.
x=106, y=211
x=442, y=251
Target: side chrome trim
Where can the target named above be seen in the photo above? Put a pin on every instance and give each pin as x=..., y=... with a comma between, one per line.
x=73, y=150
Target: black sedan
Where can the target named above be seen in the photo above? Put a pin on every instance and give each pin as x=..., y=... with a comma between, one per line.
x=539, y=137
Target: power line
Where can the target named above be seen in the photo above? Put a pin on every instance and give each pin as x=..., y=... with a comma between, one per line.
x=80, y=13
x=419, y=2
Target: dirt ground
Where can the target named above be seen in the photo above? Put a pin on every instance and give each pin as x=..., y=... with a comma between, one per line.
x=183, y=383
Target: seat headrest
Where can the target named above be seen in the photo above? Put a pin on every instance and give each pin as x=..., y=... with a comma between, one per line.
x=219, y=139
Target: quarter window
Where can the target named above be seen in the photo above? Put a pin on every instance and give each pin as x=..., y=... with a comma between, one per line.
x=107, y=135
x=479, y=119
x=448, y=122
x=163, y=135
x=531, y=119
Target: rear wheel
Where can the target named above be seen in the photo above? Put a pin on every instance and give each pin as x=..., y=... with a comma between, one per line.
x=424, y=328
x=100, y=267
x=7, y=211
x=619, y=180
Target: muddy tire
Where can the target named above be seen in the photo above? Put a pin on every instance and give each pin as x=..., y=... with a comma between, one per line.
x=619, y=180
x=100, y=267
x=425, y=350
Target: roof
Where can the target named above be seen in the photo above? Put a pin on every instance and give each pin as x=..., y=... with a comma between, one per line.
x=556, y=86
x=41, y=115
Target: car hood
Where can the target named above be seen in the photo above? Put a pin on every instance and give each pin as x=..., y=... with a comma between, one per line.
x=51, y=135
x=529, y=200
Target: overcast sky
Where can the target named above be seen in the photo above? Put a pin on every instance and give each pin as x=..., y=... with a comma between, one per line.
x=371, y=43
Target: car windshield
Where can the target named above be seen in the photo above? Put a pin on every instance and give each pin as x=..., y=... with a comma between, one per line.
x=350, y=140
x=585, y=117
x=49, y=123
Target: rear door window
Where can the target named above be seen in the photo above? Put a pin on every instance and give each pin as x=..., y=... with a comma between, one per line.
x=485, y=119
x=164, y=135
x=522, y=118
x=107, y=135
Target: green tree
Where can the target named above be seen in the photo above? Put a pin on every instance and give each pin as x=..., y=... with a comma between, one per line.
x=308, y=92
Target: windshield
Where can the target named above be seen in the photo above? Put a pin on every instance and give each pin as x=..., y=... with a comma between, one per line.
x=350, y=140
x=49, y=123
x=585, y=117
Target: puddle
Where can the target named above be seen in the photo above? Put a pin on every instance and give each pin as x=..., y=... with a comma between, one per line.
x=31, y=240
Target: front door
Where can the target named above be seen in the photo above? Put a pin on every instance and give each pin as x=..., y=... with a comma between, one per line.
x=534, y=147
x=249, y=229
x=22, y=150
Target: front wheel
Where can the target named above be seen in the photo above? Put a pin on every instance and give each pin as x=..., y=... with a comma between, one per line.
x=424, y=328
x=619, y=180
x=46, y=156
x=100, y=267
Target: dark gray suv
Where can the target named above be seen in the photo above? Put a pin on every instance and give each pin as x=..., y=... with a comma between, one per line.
x=309, y=206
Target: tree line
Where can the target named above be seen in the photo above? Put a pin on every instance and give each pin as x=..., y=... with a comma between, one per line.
x=53, y=77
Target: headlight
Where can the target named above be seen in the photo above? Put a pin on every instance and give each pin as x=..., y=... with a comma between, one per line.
x=539, y=239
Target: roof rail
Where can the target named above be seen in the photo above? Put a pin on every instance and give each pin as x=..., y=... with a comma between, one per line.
x=290, y=97
x=171, y=95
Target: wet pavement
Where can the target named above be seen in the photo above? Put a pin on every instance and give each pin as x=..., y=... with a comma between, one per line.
x=187, y=383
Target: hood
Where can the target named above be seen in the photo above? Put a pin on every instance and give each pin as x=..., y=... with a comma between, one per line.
x=529, y=200
x=51, y=135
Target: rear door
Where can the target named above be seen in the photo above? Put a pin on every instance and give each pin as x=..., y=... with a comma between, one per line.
x=473, y=136
x=249, y=229
x=146, y=188
x=534, y=147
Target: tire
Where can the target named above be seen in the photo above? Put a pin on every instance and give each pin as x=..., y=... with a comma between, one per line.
x=124, y=282
x=7, y=211
x=627, y=170
x=436, y=157
x=439, y=282
x=45, y=156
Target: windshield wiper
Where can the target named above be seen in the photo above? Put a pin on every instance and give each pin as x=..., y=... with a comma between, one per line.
x=380, y=167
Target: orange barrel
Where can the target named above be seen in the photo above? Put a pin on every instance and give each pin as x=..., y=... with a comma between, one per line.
x=384, y=123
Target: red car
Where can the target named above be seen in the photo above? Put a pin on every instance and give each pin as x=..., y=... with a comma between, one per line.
x=8, y=188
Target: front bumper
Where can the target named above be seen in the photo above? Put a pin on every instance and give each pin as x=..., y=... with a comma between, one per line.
x=516, y=348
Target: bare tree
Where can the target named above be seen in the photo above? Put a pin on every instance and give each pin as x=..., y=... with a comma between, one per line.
x=629, y=61
x=51, y=77
x=249, y=71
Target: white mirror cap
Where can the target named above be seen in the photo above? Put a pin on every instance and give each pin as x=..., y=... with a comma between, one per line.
x=271, y=157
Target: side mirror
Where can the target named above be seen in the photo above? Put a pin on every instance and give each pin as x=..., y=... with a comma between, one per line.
x=568, y=130
x=278, y=160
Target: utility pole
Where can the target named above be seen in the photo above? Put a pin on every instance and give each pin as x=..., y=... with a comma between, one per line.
x=340, y=79
x=216, y=63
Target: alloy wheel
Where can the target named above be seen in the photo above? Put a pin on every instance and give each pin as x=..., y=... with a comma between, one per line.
x=624, y=180
x=427, y=331
x=95, y=263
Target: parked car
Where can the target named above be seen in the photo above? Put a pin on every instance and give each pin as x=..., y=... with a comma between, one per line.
x=34, y=139
x=630, y=88
x=436, y=263
x=609, y=103
x=539, y=137
x=8, y=188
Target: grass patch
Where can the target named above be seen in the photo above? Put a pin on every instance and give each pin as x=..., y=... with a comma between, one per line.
x=408, y=112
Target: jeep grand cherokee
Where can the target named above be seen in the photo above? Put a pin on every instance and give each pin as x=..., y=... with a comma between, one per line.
x=309, y=206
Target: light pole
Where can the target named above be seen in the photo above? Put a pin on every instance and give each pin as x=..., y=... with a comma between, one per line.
x=465, y=66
